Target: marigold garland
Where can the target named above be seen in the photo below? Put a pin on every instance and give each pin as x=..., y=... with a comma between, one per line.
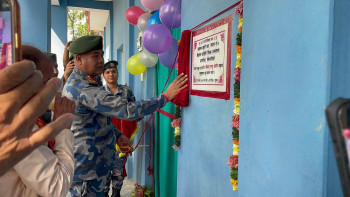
x=176, y=124
x=233, y=160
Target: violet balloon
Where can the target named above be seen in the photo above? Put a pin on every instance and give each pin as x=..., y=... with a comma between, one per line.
x=156, y=38
x=170, y=13
x=133, y=13
x=168, y=57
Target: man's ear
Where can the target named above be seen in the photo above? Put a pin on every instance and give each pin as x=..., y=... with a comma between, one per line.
x=77, y=59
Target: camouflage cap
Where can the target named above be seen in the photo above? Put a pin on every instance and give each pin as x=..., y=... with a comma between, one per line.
x=85, y=44
x=110, y=64
x=51, y=56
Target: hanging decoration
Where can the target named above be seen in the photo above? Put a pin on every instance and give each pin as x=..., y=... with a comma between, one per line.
x=176, y=124
x=233, y=160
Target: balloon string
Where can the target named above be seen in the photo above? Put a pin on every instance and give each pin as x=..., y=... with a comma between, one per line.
x=218, y=14
x=172, y=68
x=144, y=130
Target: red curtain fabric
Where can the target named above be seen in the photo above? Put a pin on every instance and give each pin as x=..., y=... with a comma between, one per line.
x=182, y=99
x=124, y=126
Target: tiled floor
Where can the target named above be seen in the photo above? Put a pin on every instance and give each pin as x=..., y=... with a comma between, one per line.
x=127, y=189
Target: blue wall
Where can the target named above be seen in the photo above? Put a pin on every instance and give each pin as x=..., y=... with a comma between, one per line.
x=206, y=142
x=36, y=23
x=285, y=87
x=59, y=32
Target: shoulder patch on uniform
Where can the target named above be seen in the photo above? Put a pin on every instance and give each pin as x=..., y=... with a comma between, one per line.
x=91, y=79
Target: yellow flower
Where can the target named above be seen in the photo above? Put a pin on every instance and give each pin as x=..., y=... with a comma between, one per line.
x=236, y=111
x=232, y=181
x=240, y=20
x=238, y=64
x=238, y=57
x=234, y=187
x=235, y=149
x=177, y=130
x=240, y=28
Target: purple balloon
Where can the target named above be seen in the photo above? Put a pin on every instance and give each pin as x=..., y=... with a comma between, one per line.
x=168, y=57
x=156, y=38
x=170, y=13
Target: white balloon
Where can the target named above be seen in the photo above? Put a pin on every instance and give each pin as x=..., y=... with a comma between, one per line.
x=148, y=59
x=142, y=21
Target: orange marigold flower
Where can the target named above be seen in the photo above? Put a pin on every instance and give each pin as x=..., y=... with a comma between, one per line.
x=236, y=142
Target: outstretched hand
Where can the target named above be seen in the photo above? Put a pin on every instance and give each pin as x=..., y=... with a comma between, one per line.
x=176, y=86
x=23, y=99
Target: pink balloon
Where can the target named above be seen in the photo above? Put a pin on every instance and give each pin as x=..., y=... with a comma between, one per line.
x=152, y=4
x=133, y=13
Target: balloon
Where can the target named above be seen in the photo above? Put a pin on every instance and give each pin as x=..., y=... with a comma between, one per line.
x=133, y=13
x=143, y=20
x=154, y=19
x=168, y=57
x=152, y=4
x=134, y=65
x=156, y=38
x=170, y=13
x=148, y=59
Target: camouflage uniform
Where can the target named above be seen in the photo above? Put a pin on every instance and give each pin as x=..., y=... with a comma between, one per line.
x=116, y=175
x=95, y=135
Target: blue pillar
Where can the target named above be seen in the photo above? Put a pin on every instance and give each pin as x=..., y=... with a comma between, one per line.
x=59, y=32
x=36, y=23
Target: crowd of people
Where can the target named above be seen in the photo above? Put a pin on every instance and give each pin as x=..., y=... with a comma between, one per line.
x=68, y=150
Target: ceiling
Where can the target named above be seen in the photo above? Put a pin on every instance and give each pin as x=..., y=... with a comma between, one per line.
x=57, y=2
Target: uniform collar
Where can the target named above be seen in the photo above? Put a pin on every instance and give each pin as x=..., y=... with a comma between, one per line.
x=87, y=77
x=119, y=89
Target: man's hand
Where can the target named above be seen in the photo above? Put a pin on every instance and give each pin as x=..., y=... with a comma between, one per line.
x=125, y=144
x=23, y=99
x=66, y=53
x=62, y=106
x=69, y=70
x=66, y=46
x=176, y=86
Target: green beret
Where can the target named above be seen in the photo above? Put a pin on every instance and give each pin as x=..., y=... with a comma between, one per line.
x=110, y=64
x=86, y=44
x=51, y=56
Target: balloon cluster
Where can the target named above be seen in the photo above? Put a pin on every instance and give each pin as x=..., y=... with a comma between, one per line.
x=156, y=37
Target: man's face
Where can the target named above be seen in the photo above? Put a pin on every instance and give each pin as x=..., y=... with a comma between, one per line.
x=91, y=62
x=111, y=75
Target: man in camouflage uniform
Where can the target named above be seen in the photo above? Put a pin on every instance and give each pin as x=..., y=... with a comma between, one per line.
x=95, y=136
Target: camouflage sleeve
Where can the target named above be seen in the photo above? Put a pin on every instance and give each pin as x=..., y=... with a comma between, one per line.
x=132, y=97
x=103, y=102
